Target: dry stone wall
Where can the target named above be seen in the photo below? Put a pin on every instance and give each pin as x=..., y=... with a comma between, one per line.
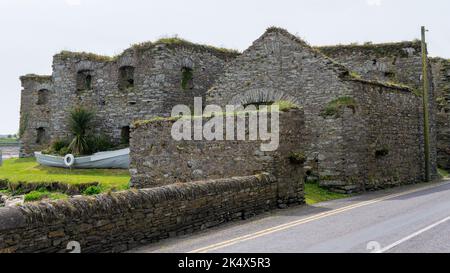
x=125, y=220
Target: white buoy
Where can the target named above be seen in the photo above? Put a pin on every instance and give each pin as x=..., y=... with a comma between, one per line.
x=69, y=160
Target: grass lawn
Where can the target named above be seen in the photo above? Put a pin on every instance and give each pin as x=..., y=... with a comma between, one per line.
x=28, y=170
x=443, y=173
x=8, y=140
x=315, y=194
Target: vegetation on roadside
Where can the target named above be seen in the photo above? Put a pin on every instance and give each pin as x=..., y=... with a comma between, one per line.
x=93, y=190
x=443, y=173
x=315, y=194
x=27, y=170
x=44, y=194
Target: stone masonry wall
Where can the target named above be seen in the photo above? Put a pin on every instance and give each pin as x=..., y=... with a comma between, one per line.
x=397, y=63
x=278, y=66
x=383, y=139
x=125, y=220
x=157, y=159
x=441, y=81
x=157, y=81
x=35, y=127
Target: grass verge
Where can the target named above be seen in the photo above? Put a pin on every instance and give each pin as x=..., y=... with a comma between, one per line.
x=43, y=194
x=443, y=173
x=27, y=170
x=315, y=194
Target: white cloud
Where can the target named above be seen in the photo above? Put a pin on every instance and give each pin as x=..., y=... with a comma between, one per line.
x=73, y=2
x=372, y=3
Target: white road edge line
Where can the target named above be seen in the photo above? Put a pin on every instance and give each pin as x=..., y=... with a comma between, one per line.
x=309, y=219
x=407, y=238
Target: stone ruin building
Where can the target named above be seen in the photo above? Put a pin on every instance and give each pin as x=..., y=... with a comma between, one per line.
x=362, y=109
x=144, y=81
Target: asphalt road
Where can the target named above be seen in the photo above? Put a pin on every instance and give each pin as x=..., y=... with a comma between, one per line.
x=412, y=219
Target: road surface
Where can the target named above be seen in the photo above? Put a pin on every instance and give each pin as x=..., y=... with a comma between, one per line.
x=403, y=220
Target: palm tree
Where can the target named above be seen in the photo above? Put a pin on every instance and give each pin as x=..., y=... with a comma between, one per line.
x=80, y=122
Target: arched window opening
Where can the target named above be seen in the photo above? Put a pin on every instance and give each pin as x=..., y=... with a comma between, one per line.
x=126, y=77
x=125, y=135
x=42, y=97
x=187, y=78
x=40, y=135
x=84, y=80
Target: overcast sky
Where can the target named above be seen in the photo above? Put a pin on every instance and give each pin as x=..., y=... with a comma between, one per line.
x=32, y=31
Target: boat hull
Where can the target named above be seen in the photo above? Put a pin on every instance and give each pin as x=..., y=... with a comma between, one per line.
x=119, y=159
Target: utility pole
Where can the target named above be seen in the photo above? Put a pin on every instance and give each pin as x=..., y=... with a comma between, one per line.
x=426, y=113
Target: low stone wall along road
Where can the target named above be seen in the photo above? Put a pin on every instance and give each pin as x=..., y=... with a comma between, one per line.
x=408, y=219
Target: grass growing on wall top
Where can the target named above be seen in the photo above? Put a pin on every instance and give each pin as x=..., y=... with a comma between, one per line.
x=28, y=170
x=334, y=108
x=44, y=194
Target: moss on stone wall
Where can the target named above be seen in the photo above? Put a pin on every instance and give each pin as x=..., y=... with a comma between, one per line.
x=382, y=50
x=64, y=55
x=174, y=42
x=37, y=78
x=335, y=107
x=284, y=106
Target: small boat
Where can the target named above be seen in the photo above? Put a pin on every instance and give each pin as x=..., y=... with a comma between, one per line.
x=119, y=159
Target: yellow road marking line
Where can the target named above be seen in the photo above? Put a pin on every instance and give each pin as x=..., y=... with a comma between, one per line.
x=305, y=220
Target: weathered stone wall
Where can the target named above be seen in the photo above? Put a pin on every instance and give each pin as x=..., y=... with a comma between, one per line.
x=441, y=81
x=156, y=88
x=153, y=85
x=278, y=66
x=383, y=139
x=397, y=63
x=35, y=128
x=157, y=159
x=121, y=221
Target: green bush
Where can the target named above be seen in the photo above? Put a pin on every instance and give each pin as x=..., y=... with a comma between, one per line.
x=35, y=196
x=43, y=194
x=80, y=123
x=92, y=190
x=64, y=151
x=99, y=144
x=58, y=145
